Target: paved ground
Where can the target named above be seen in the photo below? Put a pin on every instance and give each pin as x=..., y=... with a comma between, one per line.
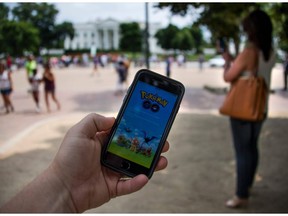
x=200, y=175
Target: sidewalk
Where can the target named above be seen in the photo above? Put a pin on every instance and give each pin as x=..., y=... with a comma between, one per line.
x=200, y=175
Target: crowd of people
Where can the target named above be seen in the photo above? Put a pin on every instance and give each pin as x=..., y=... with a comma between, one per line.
x=34, y=78
x=39, y=71
x=121, y=63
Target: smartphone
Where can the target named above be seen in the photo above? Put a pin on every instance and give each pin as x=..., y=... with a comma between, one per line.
x=221, y=46
x=143, y=123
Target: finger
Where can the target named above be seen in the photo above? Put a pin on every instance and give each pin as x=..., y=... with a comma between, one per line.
x=166, y=147
x=103, y=137
x=132, y=185
x=92, y=124
x=162, y=163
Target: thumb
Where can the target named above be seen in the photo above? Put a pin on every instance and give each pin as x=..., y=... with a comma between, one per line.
x=132, y=185
x=92, y=124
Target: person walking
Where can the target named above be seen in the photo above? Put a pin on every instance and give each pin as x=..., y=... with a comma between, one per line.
x=9, y=62
x=95, y=63
x=201, y=60
x=285, y=72
x=122, y=67
x=257, y=56
x=168, y=66
x=35, y=81
x=30, y=66
x=6, y=87
x=49, y=86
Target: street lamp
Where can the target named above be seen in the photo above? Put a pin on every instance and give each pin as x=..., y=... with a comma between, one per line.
x=146, y=36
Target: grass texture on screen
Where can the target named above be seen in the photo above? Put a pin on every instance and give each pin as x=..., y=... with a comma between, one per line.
x=126, y=153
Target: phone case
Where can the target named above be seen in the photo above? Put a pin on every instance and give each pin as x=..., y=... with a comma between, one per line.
x=124, y=166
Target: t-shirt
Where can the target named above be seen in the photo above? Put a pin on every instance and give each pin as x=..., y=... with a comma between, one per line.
x=30, y=66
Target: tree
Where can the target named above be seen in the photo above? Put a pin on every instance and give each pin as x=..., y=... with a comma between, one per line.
x=62, y=31
x=183, y=40
x=17, y=37
x=131, y=37
x=222, y=19
x=43, y=16
x=197, y=35
x=4, y=12
x=35, y=19
x=279, y=14
x=165, y=37
x=40, y=15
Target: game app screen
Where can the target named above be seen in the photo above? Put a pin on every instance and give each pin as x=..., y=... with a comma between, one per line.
x=141, y=127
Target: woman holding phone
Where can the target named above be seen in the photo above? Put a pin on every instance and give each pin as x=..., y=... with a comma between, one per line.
x=257, y=56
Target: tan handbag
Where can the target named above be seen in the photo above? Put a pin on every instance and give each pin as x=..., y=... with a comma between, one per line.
x=246, y=99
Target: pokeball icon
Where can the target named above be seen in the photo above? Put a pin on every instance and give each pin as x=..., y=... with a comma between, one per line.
x=148, y=105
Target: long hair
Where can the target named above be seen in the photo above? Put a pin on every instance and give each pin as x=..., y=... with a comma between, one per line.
x=258, y=27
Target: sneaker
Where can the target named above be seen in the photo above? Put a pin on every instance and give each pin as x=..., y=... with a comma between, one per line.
x=37, y=109
x=237, y=202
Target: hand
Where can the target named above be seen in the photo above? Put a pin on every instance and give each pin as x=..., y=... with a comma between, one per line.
x=227, y=56
x=77, y=165
x=228, y=60
x=76, y=181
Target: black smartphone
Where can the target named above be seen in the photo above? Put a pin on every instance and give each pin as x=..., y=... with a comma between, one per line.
x=143, y=123
x=221, y=46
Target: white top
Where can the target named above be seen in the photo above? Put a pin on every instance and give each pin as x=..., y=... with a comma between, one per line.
x=4, y=81
x=264, y=70
x=35, y=83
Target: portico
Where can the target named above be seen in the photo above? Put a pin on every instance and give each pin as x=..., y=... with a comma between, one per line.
x=104, y=35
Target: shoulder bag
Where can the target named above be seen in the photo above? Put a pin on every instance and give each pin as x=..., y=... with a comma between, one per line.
x=246, y=99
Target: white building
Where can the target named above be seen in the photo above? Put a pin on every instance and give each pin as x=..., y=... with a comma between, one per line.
x=105, y=35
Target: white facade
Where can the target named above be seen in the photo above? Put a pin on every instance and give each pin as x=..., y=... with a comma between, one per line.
x=101, y=34
x=105, y=35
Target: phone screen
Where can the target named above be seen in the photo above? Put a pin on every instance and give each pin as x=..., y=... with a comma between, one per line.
x=142, y=124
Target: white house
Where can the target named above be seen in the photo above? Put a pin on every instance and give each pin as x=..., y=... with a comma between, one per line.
x=105, y=35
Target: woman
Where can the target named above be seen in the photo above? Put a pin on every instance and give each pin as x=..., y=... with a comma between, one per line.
x=258, y=56
x=49, y=86
x=35, y=82
x=6, y=87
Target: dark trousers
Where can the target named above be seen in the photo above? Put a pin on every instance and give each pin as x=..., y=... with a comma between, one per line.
x=245, y=139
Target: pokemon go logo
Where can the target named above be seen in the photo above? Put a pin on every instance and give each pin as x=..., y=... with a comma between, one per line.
x=149, y=98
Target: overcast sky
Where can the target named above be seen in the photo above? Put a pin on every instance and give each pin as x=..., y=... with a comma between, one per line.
x=83, y=12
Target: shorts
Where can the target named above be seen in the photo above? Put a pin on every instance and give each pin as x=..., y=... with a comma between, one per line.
x=6, y=91
x=50, y=90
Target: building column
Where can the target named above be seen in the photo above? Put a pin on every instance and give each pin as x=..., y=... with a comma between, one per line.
x=115, y=38
x=106, y=39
